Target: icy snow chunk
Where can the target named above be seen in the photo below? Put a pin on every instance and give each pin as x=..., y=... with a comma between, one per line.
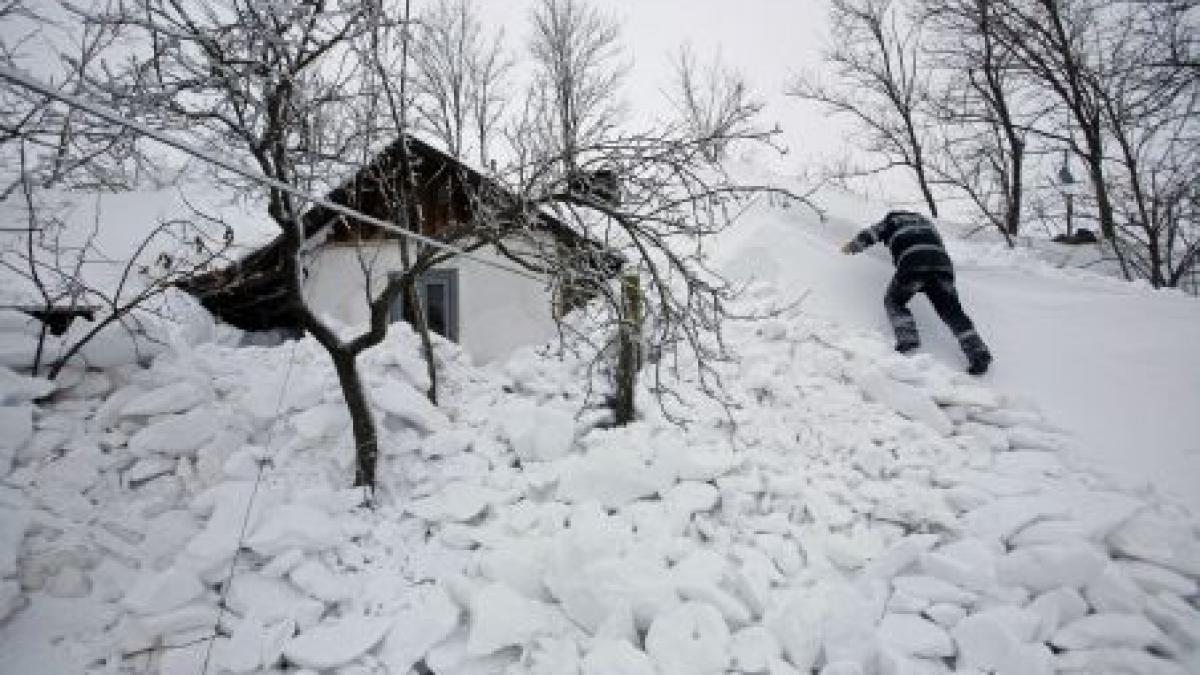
x=611, y=477
x=1179, y=620
x=945, y=614
x=520, y=564
x=914, y=635
x=446, y=443
x=1152, y=538
x=754, y=648
x=1004, y=517
x=417, y=628
x=177, y=434
x=294, y=526
x=1113, y=591
x=336, y=642
x=905, y=399
x=10, y=598
x=1108, y=630
x=987, y=641
x=272, y=599
x=254, y=645
x=16, y=422
x=899, y=556
x=398, y=398
x=933, y=589
x=539, y=433
x=501, y=617
x=964, y=395
x=704, y=463
x=173, y=398
x=591, y=593
x=970, y=563
x=799, y=625
x=1045, y=567
x=323, y=421
x=1049, y=532
x=691, y=639
x=197, y=615
x=17, y=350
x=1055, y=609
x=994, y=437
x=457, y=502
x=315, y=579
x=1115, y=660
x=1155, y=578
x=616, y=657
x=1024, y=437
x=14, y=523
x=163, y=591
x=15, y=389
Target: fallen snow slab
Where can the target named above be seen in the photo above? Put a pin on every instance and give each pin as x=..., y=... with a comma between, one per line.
x=539, y=433
x=1156, y=578
x=294, y=526
x=315, y=579
x=16, y=422
x=322, y=421
x=616, y=657
x=1048, y=566
x=254, y=645
x=591, y=594
x=163, y=591
x=272, y=599
x=457, y=502
x=177, y=434
x=691, y=639
x=10, y=598
x=173, y=398
x=989, y=641
x=915, y=636
x=1109, y=630
x=905, y=399
x=14, y=523
x=611, y=480
x=501, y=617
x=1115, y=660
x=417, y=628
x=1155, y=539
x=16, y=389
x=337, y=642
x=398, y=398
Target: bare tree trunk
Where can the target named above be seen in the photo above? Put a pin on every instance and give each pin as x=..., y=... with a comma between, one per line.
x=362, y=421
x=628, y=348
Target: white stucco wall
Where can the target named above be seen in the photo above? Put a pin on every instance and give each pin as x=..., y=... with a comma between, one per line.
x=497, y=311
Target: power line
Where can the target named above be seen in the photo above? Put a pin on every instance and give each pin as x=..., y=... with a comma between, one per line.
x=110, y=115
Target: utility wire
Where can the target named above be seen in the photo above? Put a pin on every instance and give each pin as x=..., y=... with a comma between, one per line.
x=110, y=115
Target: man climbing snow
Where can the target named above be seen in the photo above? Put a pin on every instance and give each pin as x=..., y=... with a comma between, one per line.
x=922, y=264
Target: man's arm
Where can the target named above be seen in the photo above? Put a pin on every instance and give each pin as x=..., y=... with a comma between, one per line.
x=866, y=238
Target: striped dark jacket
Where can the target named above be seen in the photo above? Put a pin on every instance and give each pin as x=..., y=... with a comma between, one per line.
x=913, y=240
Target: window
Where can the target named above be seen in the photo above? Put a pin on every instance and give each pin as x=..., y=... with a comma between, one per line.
x=438, y=292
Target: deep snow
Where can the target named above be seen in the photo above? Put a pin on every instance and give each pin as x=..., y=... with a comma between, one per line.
x=855, y=512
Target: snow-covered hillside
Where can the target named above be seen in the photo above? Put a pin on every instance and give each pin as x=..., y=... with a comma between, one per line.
x=857, y=511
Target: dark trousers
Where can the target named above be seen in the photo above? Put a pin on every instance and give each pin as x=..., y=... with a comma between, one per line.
x=938, y=286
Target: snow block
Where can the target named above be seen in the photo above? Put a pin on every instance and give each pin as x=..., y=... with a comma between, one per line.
x=425, y=622
x=915, y=636
x=176, y=435
x=616, y=657
x=539, y=433
x=1046, y=567
x=1109, y=629
x=173, y=398
x=336, y=642
x=691, y=639
x=501, y=617
x=16, y=428
x=400, y=399
x=294, y=526
x=905, y=399
x=164, y=591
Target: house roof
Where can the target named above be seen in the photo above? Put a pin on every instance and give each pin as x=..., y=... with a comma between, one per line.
x=251, y=293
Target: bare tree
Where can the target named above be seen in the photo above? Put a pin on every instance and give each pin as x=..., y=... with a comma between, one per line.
x=458, y=76
x=983, y=109
x=882, y=84
x=713, y=100
x=576, y=53
x=276, y=85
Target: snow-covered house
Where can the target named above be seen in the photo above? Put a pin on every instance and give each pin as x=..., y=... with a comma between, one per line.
x=487, y=310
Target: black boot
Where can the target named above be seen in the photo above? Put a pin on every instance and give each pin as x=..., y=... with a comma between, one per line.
x=977, y=363
x=906, y=346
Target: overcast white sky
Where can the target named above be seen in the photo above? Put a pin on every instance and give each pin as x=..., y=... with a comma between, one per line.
x=767, y=40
